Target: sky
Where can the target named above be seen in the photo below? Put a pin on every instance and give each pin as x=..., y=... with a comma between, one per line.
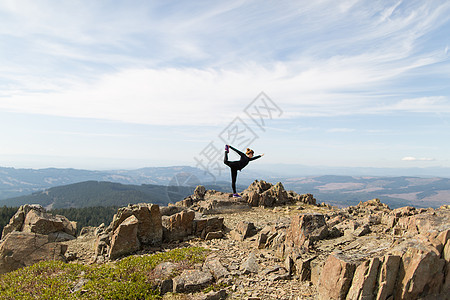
x=130, y=84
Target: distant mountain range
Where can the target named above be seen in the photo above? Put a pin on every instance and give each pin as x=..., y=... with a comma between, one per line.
x=394, y=191
x=120, y=187
x=17, y=182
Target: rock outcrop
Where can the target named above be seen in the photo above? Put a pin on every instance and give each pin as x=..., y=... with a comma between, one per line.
x=259, y=193
x=141, y=225
x=262, y=193
x=21, y=249
x=33, y=235
x=34, y=218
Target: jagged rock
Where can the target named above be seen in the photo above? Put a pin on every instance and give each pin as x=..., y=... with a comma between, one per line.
x=364, y=280
x=336, y=277
x=446, y=252
x=162, y=274
x=278, y=276
x=60, y=237
x=289, y=264
x=148, y=216
x=88, y=230
x=243, y=230
x=276, y=195
x=21, y=249
x=220, y=205
x=250, y=265
x=35, y=221
x=125, y=239
x=444, y=236
x=206, y=225
x=421, y=273
x=316, y=266
x=216, y=268
x=253, y=198
x=303, y=268
x=304, y=198
x=261, y=240
x=179, y=226
x=199, y=193
x=215, y=295
x=38, y=221
x=214, y=235
x=387, y=276
x=306, y=227
x=271, y=269
x=169, y=210
x=259, y=186
x=362, y=230
x=185, y=203
x=404, y=211
x=376, y=204
x=191, y=281
x=16, y=222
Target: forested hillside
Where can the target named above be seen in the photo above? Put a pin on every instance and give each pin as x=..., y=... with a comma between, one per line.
x=101, y=193
x=97, y=193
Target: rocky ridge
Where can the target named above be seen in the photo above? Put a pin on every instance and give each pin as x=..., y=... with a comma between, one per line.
x=276, y=244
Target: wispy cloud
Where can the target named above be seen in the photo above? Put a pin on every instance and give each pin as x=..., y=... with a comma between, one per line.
x=194, y=64
x=335, y=130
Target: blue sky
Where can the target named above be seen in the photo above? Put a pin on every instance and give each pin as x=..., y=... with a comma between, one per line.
x=117, y=84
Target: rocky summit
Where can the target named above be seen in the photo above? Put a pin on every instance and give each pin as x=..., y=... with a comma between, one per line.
x=269, y=244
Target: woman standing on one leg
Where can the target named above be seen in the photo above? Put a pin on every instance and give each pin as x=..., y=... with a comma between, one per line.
x=238, y=165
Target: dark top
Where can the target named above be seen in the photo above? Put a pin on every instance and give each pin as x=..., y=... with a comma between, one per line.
x=244, y=159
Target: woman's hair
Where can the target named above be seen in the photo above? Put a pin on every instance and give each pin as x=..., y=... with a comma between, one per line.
x=249, y=151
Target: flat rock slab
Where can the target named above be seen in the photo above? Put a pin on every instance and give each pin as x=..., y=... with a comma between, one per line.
x=191, y=281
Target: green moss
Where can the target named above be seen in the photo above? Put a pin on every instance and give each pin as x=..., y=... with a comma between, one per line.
x=126, y=279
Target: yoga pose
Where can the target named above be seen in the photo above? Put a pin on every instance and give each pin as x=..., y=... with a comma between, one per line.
x=238, y=165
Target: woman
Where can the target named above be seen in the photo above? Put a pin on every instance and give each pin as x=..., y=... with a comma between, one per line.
x=238, y=165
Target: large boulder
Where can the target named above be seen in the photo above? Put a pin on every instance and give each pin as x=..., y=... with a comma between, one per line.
x=39, y=223
x=243, y=230
x=336, y=278
x=421, y=273
x=148, y=216
x=190, y=281
x=304, y=228
x=179, y=226
x=33, y=218
x=204, y=226
x=16, y=222
x=364, y=280
x=199, y=193
x=125, y=238
x=22, y=249
x=387, y=276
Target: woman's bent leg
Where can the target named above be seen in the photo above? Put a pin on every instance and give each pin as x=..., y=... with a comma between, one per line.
x=225, y=159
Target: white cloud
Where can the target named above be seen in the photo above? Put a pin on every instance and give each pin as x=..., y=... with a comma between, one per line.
x=411, y=158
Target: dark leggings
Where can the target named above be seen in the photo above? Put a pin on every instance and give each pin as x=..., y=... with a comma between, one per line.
x=234, y=169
